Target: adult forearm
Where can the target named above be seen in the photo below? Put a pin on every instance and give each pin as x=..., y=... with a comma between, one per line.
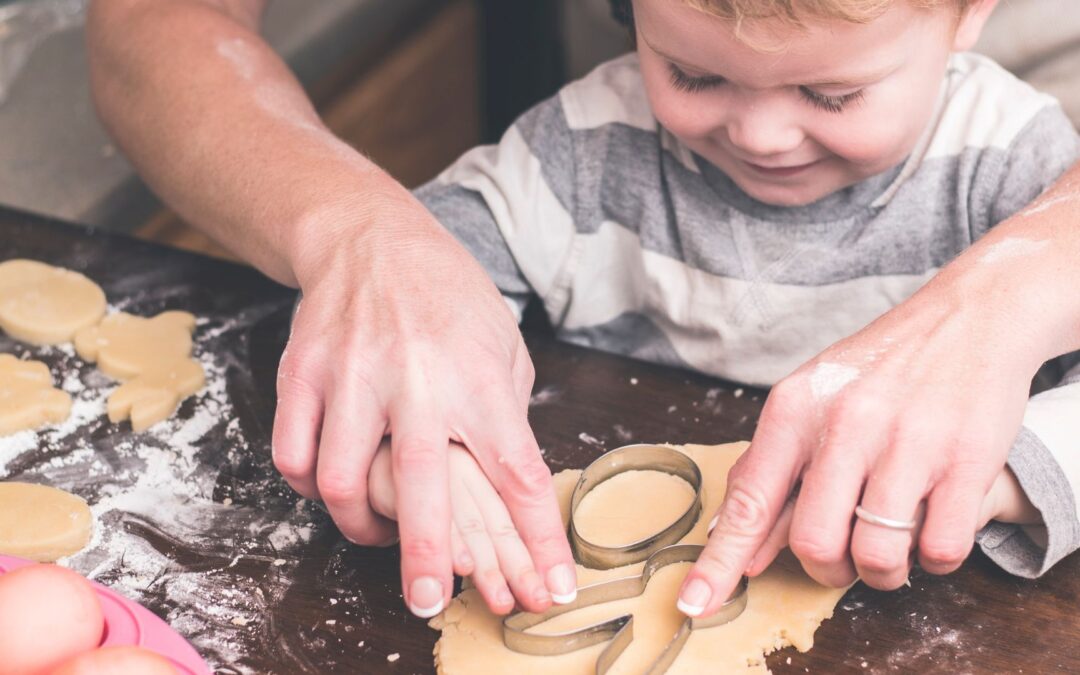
x=1026, y=270
x=218, y=126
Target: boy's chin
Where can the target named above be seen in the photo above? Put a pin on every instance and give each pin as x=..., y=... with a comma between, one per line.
x=789, y=196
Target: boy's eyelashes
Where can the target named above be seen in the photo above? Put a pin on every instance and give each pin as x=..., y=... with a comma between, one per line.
x=681, y=81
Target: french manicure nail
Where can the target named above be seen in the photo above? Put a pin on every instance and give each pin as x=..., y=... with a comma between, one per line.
x=426, y=597
x=694, y=597
x=712, y=525
x=561, y=584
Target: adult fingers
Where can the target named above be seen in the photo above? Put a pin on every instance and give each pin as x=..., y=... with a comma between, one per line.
x=464, y=563
x=952, y=515
x=513, y=560
x=821, y=527
x=418, y=448
x=505, y=448
x=758, y=486
x=894, y=490
x=297, y=424
x=774, y=543
x=351, y=433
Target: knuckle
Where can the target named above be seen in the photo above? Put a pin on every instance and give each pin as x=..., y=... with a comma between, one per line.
x=411, y=457
x=745, y=511
x=786, y=398
x=526, y=475
x=293, y=466
x=505, y=532
x=716, y=562
x=470, y=527
x=340, y=488
x=420, y=548
x=489, y=577
x=945, y=552
x=814, y=548
x=878, y=561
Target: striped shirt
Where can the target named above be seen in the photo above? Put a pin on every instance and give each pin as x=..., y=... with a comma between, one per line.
x=637, y=245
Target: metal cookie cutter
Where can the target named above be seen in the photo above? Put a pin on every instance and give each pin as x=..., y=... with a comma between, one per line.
x=638, y=457
x=655, y=550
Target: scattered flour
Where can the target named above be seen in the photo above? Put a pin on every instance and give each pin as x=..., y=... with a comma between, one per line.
x=829, y=378
x=1012, y=247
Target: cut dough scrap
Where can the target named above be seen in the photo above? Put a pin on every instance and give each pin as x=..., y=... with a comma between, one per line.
x=42, y=523
x=46, y=305
x=124, y=345
x=784, y=606
x=27, y=396
x=154, y=395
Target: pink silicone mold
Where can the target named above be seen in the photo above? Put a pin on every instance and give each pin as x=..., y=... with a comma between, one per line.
x=130, y=624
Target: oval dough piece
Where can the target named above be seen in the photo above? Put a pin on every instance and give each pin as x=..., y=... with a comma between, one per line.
x=632, y=506
x=27, y=396
x=125, y=345
x=46, y=305
x=42, y=523
x=154, y=395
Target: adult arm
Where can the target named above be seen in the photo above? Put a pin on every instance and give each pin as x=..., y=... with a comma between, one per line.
x=923, y=404
x=400, y=332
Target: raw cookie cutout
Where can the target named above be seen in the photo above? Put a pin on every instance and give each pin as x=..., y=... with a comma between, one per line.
x=153, y=355
x=27, y=396
x=46, y=305
x=42, y=523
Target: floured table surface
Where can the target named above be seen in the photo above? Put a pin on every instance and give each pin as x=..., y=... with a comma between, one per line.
x=194, y=523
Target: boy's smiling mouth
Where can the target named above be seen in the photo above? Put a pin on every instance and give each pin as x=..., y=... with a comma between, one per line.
x=782, y=171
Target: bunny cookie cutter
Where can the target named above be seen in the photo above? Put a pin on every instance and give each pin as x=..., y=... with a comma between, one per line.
x=657, y=550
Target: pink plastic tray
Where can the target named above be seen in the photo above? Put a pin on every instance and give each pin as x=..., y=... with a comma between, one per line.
x=129, y=624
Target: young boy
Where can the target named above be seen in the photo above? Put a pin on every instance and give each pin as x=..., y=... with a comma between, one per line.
x=759, y=180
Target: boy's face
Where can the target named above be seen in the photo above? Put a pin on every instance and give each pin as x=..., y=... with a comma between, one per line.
x=833, y=103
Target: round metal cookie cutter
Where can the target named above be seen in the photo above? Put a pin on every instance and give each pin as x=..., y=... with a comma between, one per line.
x=638, y=457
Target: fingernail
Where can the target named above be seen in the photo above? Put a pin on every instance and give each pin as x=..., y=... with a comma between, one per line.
x=426, y=597
x=712, y=525
x=694, y=598
x=561, y=584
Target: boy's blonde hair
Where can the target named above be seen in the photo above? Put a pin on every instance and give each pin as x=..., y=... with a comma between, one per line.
x=794, y=11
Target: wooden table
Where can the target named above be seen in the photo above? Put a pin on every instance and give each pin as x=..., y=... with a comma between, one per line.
x=256, y=602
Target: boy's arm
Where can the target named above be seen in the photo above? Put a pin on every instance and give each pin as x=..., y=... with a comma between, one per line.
x=511, y=206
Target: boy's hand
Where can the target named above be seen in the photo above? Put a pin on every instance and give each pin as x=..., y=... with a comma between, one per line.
x=401, y=333
x=918, y=410
x=485, y=544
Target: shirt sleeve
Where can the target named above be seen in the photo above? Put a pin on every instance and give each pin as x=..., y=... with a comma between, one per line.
x=511, y=206
x=1046, y=460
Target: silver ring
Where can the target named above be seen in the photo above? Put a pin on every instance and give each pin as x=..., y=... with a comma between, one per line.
x=904, y=525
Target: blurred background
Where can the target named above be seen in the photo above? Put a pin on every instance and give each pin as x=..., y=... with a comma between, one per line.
x=413, y=83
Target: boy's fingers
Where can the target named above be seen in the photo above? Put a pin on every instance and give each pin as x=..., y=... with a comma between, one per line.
x=297, y=424
x=464, y=564
x=351, y=434
x=505, y=448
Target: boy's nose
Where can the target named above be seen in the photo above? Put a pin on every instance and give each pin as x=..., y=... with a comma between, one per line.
x=760, y=132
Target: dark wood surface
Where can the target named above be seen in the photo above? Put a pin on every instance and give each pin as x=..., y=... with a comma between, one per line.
x=313, y=605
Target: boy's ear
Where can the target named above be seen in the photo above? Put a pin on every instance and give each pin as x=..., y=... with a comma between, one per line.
x=971, y=24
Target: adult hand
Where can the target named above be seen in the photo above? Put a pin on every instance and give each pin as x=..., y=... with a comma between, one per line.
x=401, y=333
x=913, y=415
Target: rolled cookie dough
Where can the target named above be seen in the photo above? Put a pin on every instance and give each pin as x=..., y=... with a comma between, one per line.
x=124, y=345
x=42, y=304
x=784, y=607
x=154, y=395
x=41, y=523
x=27, y=396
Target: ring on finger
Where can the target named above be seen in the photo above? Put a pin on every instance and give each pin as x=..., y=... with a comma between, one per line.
x=890, y=523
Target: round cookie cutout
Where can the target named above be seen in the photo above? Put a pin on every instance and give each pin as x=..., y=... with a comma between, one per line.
x=42, y=523
x=46, y=305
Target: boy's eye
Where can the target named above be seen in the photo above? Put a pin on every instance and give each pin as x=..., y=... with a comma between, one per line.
x=833, y=104
x=689, y=83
